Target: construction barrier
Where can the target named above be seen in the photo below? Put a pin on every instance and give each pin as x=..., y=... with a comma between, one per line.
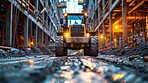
x=130, y=42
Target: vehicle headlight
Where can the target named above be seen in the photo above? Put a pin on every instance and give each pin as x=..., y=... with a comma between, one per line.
x=87, y=35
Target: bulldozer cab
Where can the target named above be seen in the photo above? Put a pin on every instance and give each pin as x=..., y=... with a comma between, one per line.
x=75, y=19
x=75, y=24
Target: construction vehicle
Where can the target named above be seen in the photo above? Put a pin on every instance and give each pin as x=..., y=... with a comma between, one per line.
x=75, y=35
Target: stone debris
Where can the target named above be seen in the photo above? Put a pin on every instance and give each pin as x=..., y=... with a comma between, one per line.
x=74, y=69
x=141, y=50
x=23, y=53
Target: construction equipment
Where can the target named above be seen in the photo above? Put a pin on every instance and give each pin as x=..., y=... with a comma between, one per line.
x=75, y=35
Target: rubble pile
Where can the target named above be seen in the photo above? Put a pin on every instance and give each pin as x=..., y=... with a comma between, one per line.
x=141, y=49
x=21, y=53
x=45, y=51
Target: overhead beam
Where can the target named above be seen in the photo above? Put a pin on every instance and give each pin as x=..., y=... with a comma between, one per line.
x=113, y=6
x=130, y=11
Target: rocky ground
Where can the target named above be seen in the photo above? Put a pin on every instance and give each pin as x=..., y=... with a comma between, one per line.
x=140, y=51
x=38, y=65
x=70, y=69
x=23, y=53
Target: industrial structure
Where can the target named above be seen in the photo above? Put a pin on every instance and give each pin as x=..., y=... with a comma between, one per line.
x=119, y=23
x=29, y=23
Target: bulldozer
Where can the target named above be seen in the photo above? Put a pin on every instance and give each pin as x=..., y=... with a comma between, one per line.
x=75, y=35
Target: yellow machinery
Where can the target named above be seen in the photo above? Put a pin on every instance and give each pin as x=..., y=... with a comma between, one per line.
x=75, y=35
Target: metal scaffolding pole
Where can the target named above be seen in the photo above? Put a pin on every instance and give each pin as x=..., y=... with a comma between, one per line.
x=36, y=28
x=46, y=40
x=9, y=25
x=103, y=25
x=42, y=36
x=26, y=33
x=124, y=19
x=110, y=22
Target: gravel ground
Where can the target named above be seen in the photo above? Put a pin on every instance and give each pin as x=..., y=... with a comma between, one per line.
x=71, y=69
x=23, y=53
x=141, y=50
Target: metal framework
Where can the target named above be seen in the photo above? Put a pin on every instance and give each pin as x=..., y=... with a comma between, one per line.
x=29, y=23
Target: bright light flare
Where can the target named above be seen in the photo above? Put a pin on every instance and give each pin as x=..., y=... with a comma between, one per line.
x=86, y=14
x=31, y=43
x=66, y=35
x=116, y=27
x=118, y=76
x=65, y=14
x=87, y=35
x=101, y=37
x=31, y=61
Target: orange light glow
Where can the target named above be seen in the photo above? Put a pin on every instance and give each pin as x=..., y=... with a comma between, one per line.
x=118, y=76
x=65, y=14
x=87, y=35
x=101, y=37
x=85, y=14
x=31, y=43
x=31, y=61
x=116, y=27
x=66, y=35
x=31, y=65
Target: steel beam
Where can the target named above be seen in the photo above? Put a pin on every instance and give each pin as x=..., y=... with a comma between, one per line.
x=9, y=25
x=46, y=41
x=130, y=11
x=35, y=35
x=113, y=6
x=124, y=19
x=103, y=25
x=42, y=36
x=36, y=28
x=26, y=33
x=110, y=23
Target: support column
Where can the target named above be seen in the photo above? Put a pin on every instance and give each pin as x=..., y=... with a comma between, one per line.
x=42, y=37
x=26, y=33
x=124, y=19
x=9, y=25
x=36, y=28
x=110, y=22
x=31, y=32
x=99, y=42
x=103, y=25
x=39, y=37
x=46, y=40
